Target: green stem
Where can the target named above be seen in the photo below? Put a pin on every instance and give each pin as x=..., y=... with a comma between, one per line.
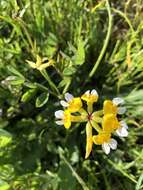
x=66, y=87
x=125, y=17
x=95, y=126
x=97, y=113
x=51, y=84
x=105, y=42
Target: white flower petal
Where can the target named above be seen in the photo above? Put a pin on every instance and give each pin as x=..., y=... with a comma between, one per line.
x=64, y=103
x=59, y=122
x=94, y=92
x=118, y=101
x=113, y=144
x=121, y=110
x=87, y=92
x=68, y=97
x=123, y=124
x=106, y=148
x=59, y=114
x=122, y=132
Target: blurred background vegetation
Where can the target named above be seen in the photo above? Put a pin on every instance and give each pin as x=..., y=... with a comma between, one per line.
x=94, y=44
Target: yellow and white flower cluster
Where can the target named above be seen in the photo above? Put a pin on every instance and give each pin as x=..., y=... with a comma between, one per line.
x=105, y=122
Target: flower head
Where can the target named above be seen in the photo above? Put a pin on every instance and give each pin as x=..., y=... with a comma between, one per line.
x=104, y=121
x=106, y=141
x=40, y=65
x=71, y=103
x=114, y=106
x=64, y=118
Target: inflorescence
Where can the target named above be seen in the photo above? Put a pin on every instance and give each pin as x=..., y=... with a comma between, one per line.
x=105, y=122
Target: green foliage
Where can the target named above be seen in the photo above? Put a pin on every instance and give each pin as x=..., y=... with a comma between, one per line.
x=35, y=153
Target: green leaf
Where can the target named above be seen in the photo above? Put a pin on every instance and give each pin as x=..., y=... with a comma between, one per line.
x=79, y=57
x=15, y=71
x=5, y=137
x=42, y=99
x=28, y=95
x=69, y=71
x=16, y=80
x=30, y=85
x=140, y=183
x=4, y=185
x=5, y=133
x=67, y=179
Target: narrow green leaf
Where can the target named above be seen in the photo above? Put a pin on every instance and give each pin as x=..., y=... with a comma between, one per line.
x=42, y=99
x=15, y=71
x=140, y=182
x=16, y=80
x=5, y=133
x=69, y=71
x=28, y=95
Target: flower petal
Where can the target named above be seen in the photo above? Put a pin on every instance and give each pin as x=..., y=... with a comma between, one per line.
x=87, y=92
x=106, y=148
x=118, y=101
x=59, y=122
x=59, y=114
x=64, y=103
x=123, y=124
x=121, y=110
x=122, y=132
x=113, y=144
x=68, y=97
x=89, y=140
x=94, y=92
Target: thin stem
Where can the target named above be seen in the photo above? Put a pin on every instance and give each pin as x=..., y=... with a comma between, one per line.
x=52, y=85
x=97, y=113
x=97, y=119
x=78, y=119
x=90, y=107
x=78, y=178
x=66, y=87
x=22, y=24
x=105, y=42
x=95, y=126
x=125, y=17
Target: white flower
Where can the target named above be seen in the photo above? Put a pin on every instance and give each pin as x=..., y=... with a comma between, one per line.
x=119, y=102
x=59, y=115
x=112, y=144
x=122, y=131
x=68, y=98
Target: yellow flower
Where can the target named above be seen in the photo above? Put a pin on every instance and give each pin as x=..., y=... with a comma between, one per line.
x=71, y=103
x=89, y=141
x=113, y=107
x=90, y=97
x=106, y=141
x=101, y=138
x=65, y=118
x=40, y=65
x=110, y=123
